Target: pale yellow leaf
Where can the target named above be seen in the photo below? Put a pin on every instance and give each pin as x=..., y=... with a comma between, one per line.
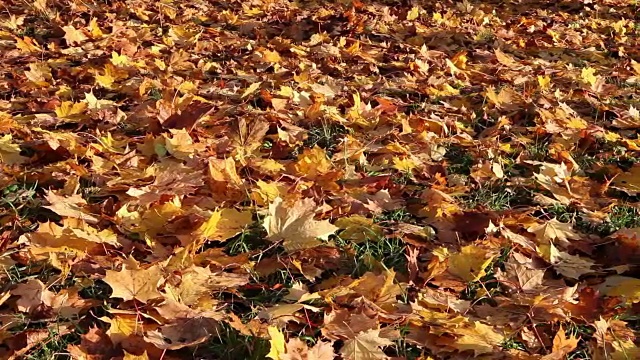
x=294, y=224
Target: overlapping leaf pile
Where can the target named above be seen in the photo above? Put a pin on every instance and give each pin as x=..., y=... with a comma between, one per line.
x=299, y=180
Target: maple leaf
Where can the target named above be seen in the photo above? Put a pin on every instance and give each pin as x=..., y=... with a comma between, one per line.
x=527, y=278
x=122, y=326
x=9, y=152
x=568, y=265
x=480, y=338
x=70, y=206
x=470, y=263
x=365, y=345
x=627, y=287
x=294, y=224
x=277, y=343
x=128, y=356
x=188, y=117
x=588, y=75
x=70, y=110
x=357, y=228
x=224, y=224
x=562, y=345
x=202, y=122
x=554, y=230
x=313, y=162
x=32, y=294
x=72, y=236
x=342, y=324
x=299, y=350
x=139, y=284
x=181, y=145
x=73, y=36
x=187, y=328
x=628, y=182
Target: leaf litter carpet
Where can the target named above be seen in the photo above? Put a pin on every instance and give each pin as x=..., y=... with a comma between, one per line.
x=319, y=180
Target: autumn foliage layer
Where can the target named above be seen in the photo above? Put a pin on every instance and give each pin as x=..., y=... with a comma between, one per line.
x=319, y=180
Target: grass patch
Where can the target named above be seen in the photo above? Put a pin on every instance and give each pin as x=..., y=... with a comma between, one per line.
x=368, y=255
x=21, y=201
x=326, y=136
x=155, y=94
x=54, y=346
x=17, y=273
x=620, y=217
x=494, y=197
x=459, y=160
x=99, y=290
x=398, y=215
x=513, y=344
x=403, y=178
x=251, y=239
x=497, y=197
x=403, y=349
x=538, y=150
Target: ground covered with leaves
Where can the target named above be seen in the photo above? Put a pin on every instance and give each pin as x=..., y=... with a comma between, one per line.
x=300, y=180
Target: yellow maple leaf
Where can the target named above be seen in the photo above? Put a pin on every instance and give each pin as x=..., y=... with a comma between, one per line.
x=358, y=228
x=139, y=284
x=119, y=60
x=544, y=82
x=413, y=13
x=73, y=36
x=636, y=67
x=554, y=230
x=10, y=152
x=107, y=78
x=623, y=286
x=313, y=163
x=271, y=56
x=562, y=345
x=128, y=356
x=122, y=326
x=251, y=89
x=480, y=338
x=267, y=166
x=94, y=103
x=181, y=145
x=405, y=164
x=153, y=220
x=470, y=263
x=277, y=343
x=224, y=224
x=365, y=345
x=94, y=29
x=588, y=75
x=294, y=224
x=224, y=170
x=628, y=182
x=266, y=192
x=70, y=110
x=460, y=60
x=27, y=44
x=625, y=350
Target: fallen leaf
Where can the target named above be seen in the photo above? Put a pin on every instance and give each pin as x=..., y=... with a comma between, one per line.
x=138, y=284
x=277, y=343
x=70, y=206
x=294, y=224
x=365, y=345
x=470, y=263
x=562, y=345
